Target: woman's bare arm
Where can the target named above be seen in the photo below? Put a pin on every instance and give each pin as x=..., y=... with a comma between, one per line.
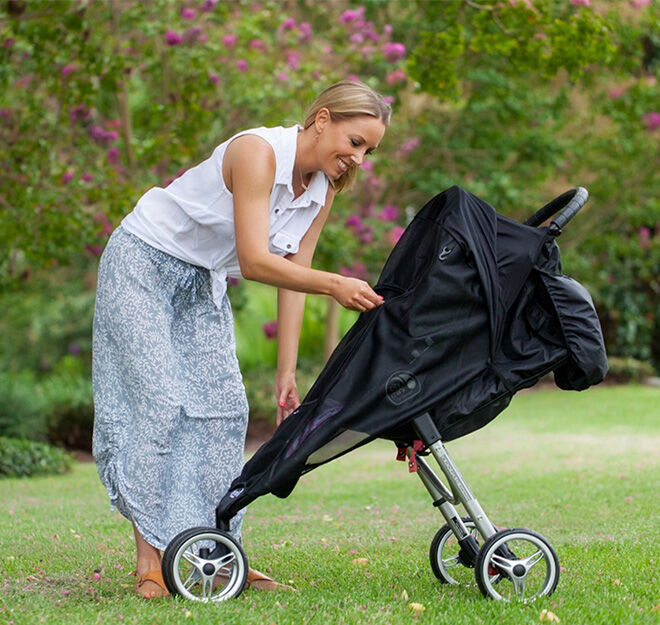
x=249, y=172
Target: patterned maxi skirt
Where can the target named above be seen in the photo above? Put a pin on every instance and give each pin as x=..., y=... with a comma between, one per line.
x=170, y=410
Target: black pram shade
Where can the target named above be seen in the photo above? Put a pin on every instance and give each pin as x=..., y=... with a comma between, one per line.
x=476, y=308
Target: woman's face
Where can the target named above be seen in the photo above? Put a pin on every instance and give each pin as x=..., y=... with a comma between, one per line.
x=344, y=144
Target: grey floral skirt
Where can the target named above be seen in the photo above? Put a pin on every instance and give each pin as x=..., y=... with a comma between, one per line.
x=170, y=411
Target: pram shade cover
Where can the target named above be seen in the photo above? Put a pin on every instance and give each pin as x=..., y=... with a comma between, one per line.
x=476, y=308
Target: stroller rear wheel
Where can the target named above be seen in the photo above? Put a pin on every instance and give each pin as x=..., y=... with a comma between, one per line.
x=526, y=561
x=205, y=564
x=449, y=565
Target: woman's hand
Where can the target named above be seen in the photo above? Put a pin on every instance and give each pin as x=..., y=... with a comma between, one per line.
x=286, y=395
x=356, y=294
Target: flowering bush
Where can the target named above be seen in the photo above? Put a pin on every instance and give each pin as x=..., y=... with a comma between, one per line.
x=100, y=101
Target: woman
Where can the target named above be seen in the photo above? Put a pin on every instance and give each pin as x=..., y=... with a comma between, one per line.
x=170, y=405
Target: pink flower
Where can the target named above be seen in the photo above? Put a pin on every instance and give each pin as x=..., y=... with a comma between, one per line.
x=94, y=250
x=78, y=113
x=188, y=14
x=388, y=99
x=640, y=4
x=105, y=222
x=68, y=69
x=5, y=113
x=367, y=166
x=357, y=38
x=113, y=155
x=214, y=79
x=67, y=177
x=366, y=234
x=347, y=17
x=229, y=41
x=270, y=329
x=358, y=270
x=577, y=3
x=616, y=92
x=353, y=221
x=289, y=24
x=172, y=38
x=395, y=234
x=395, y=77
x=233, y=281
x=387, y=29
x=353, y=77
x=652, y=120
x=8, y=42
x=97, y=577
x=293, y=60
x=389, y=213
x=394, y=51
x=193, y=34
x=242, y=65
x=316, y=74
x=644, y=238
x=283, y=77
x=208, y=5
x=407, y=146
x=257, y=44
x=87, y=177
x=305, y=32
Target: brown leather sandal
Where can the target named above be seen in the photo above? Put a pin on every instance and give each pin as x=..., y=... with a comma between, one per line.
x=155, y=576
x=259, y=581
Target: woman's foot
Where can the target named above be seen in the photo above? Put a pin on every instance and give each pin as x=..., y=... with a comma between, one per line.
x=149, y=583
x=259, y=581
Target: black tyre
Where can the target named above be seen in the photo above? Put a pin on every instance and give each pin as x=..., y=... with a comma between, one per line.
x=517, y=565
x=447, y=562
x=205, y=564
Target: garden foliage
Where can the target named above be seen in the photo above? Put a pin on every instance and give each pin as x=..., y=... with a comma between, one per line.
x=24, y=458
x=516, y=101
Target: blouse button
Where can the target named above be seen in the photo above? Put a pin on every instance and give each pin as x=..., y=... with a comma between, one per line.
x=288, y=246
x=277, y=210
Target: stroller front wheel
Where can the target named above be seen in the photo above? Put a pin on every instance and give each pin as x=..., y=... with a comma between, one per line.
x=447, y=562
x=523, y=562
x=205, y=564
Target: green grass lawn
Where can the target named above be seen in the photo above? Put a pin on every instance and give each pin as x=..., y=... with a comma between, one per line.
x=582, y=469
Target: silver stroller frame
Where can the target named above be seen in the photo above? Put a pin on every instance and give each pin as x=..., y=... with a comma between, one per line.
x=504, y=561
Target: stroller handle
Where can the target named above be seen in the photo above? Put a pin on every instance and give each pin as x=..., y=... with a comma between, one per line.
x=569, y=203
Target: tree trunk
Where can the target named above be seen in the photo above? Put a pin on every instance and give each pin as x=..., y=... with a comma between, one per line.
x=331, y=328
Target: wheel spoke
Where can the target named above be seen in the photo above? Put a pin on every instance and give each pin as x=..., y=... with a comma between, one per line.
x=192, y=558
x=207, y=587
x=453, y=561
x=192, y=578
x=519, y=587
x=533, y=559
x=224, y=561
x=501, y=563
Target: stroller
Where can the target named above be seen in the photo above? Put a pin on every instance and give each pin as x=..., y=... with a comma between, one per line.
x=476, y=308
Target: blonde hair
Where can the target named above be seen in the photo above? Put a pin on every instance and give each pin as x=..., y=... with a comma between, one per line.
x=346, y=99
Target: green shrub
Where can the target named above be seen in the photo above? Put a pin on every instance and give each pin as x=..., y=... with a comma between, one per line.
x=56, y=409
x=24, y=458
x=22, y=406
x=629, y=369
x=68, y=410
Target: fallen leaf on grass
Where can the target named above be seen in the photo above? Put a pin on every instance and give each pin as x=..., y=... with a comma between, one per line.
x=404, y=595
x=548, y=616
x=360, y=561
x=417, y=607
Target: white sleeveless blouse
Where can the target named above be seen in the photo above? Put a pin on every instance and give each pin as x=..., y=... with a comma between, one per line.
x=192, y=218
